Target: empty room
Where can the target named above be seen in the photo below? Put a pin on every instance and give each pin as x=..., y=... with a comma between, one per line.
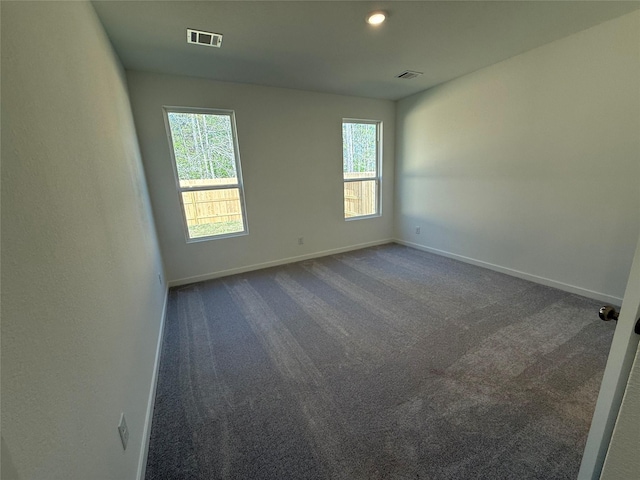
x=320, y=240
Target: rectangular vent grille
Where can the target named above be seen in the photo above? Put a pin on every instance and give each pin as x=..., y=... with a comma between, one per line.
x=199, y=37
x=409, y=74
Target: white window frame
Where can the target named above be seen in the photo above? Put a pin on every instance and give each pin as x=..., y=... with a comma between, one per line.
x=239, y=185
x=378, y=176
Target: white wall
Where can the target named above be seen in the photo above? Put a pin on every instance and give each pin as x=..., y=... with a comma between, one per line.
x=81, y=300
x=291, y=154
x=532, y=164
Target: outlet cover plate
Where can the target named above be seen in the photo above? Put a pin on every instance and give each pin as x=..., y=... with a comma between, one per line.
x=123, y=430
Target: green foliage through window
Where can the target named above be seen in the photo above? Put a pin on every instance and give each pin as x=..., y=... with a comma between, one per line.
x=207, y=166
x=203, y=146
x=359, y=147
x=360, y=167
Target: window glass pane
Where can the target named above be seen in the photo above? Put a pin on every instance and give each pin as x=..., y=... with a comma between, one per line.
x=359, y=150
x=203, y=148
x=360, y=198
x=213, y=212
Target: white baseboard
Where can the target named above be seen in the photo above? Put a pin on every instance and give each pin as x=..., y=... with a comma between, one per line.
x=603, y=297
x=146, y=431
x=274, y=263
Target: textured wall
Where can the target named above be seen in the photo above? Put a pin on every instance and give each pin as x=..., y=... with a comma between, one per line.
x=531, y=164
x=291, y=153
x=81, y=301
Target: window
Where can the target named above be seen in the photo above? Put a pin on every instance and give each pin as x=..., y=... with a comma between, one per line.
x=361, y=167
x=204, y=149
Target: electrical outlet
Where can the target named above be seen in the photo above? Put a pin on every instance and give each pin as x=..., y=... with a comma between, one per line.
x=123, y=430
x=417, y=230
x=300, y=240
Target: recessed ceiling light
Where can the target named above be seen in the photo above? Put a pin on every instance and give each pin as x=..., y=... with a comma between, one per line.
x=376, y=18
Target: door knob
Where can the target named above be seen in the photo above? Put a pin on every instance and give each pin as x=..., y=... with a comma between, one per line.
x=608, y=313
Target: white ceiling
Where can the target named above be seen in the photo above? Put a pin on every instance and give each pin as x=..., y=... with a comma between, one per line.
x=328, y=47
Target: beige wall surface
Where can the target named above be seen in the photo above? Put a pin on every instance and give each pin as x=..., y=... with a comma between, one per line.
x=532, y=164
x=81, y=300
x=291, y=152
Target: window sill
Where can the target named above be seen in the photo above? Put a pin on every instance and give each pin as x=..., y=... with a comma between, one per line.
x=362, y=217
x=217, y=237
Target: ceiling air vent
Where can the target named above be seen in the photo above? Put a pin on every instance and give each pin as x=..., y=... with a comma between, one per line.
x=199, y=37
x=408, y=75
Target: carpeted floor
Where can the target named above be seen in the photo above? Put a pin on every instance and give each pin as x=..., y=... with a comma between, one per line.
x=383, y=363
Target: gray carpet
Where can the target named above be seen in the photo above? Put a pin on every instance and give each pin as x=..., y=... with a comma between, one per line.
x=384, y=363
